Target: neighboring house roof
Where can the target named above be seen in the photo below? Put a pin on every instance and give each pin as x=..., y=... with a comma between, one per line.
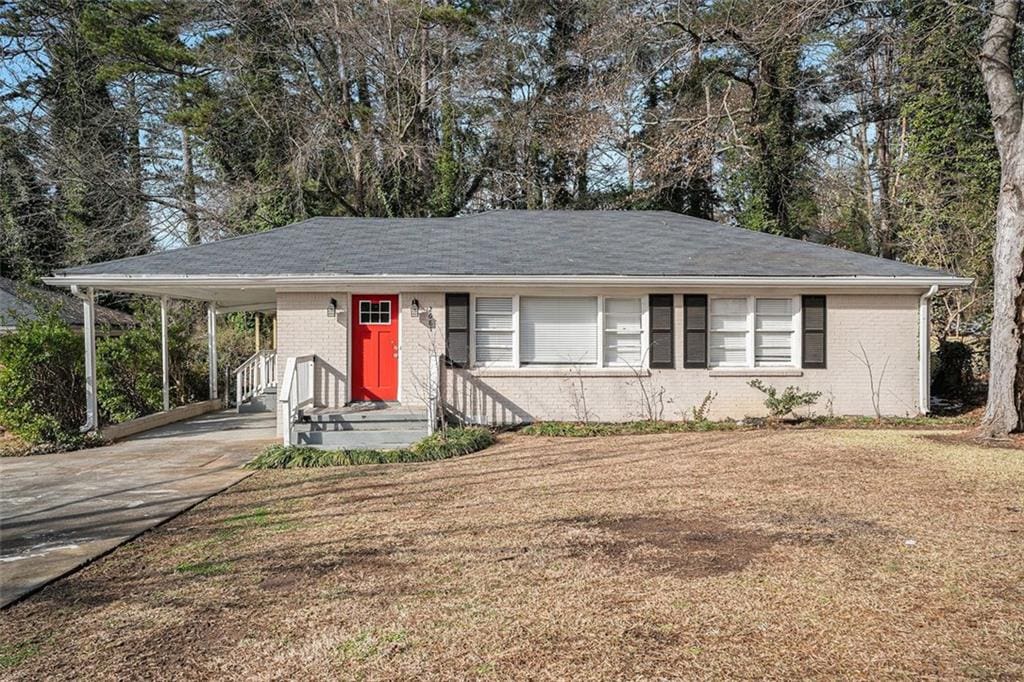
x=19, y=301
x=510, y=243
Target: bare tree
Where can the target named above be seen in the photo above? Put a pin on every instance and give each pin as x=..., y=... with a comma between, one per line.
x=579, y=395
x=876, y=386
x=650, y=395
x=1006, y=379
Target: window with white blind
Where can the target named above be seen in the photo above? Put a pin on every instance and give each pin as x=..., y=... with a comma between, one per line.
x=493, y=331
x=557, y=331
x=751, y=331
x=773, y=331
x=727, y=340
x=623, y=332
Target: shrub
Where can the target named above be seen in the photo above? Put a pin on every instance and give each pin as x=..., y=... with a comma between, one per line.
x=130, y=372
x=42, y=378
x=129, y=375
x=453, y=443
x=781, y=405
x=441, y=445
x=954, y=376
x=700, y=412
x=637, y=428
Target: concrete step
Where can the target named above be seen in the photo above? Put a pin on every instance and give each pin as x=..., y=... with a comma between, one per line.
x=260, y=403
x=370, y=420
x=350, y=439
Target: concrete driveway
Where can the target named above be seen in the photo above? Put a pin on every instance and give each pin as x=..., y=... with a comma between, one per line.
x=58, y=512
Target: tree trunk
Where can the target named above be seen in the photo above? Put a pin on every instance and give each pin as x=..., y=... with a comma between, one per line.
x=188, y=189
x=1003, y=413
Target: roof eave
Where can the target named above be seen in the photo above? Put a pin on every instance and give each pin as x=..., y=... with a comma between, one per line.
x=299, y=281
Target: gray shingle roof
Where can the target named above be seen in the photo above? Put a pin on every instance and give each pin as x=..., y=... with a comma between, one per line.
x=20, y=301
x=640, y=243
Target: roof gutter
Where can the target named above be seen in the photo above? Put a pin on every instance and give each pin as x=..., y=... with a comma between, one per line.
x=305, y=281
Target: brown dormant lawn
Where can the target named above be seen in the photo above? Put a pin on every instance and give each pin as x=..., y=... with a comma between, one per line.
x=772, y=554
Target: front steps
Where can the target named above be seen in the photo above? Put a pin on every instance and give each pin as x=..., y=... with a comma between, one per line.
x=371, y=426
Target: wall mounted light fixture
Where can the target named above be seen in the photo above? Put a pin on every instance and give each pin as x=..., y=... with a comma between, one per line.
x=414, y=307
x=332, y=308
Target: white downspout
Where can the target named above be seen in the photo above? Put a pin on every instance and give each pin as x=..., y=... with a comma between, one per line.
x=924, y=393
x=88, y=299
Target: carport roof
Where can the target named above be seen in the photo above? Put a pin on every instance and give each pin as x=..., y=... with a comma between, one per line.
x=19, y=301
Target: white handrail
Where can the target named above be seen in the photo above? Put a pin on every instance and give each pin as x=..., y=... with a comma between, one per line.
x=298, y=389
x=254, y=376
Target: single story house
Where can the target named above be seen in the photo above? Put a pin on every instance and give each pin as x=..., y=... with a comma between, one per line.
x=20, y=301
x=515, y=316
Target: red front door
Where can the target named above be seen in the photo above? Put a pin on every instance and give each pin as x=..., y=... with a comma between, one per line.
x=374, y=347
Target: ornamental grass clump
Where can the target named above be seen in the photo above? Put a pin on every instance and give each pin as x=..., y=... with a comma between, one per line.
x=441, y=445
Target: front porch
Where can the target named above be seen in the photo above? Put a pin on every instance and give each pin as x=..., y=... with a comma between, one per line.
x=307, y=376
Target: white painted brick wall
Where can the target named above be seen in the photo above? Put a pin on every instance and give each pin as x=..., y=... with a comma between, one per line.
x=303, y=328
x=885, y=324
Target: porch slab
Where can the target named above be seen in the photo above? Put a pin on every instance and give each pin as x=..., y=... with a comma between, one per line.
x=59, y=512
x=366, y=412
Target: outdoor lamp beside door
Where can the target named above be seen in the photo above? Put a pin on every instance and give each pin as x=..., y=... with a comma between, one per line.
x=332, y=308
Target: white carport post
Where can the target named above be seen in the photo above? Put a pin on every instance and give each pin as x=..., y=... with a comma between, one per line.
x=211, y=347
x=88, y=298
x=165, y=359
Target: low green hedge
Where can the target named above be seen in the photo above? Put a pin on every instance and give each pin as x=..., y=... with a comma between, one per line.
x=441, y=445
x=589, y=430
x=639, y=428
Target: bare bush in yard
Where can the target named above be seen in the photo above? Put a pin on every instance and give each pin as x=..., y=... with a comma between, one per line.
x=651, y=396
x=422, y=386
x=876, y=386
x=830, y=402
x=699, y=413
x=782, y=404
x=579, y=396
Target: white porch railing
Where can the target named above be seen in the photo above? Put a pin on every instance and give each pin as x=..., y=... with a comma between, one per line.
x=297, y=390
x=254, y=376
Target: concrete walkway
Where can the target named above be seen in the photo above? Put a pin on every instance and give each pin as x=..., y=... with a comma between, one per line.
x=60, y=511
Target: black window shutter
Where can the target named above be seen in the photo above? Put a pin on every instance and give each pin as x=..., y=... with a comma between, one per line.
x=695, y=331
x=662, y=311
x=456, y=330
x=814, y=339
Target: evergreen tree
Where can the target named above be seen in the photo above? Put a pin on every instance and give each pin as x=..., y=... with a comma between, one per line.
x=950, y=175
x=31, y=242
x=95, y=199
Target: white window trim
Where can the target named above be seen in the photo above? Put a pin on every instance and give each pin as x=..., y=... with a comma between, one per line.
x=515, y=333
x=796, y=350
x=602, y=333
x=515, y=364
x=380, y=312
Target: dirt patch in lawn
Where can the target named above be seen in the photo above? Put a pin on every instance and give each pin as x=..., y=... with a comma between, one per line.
x=682, y=547
x=770, y=554
x=1014, y=442
x=693, y=548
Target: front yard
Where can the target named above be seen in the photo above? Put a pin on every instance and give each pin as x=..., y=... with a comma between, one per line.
x=773, y=554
